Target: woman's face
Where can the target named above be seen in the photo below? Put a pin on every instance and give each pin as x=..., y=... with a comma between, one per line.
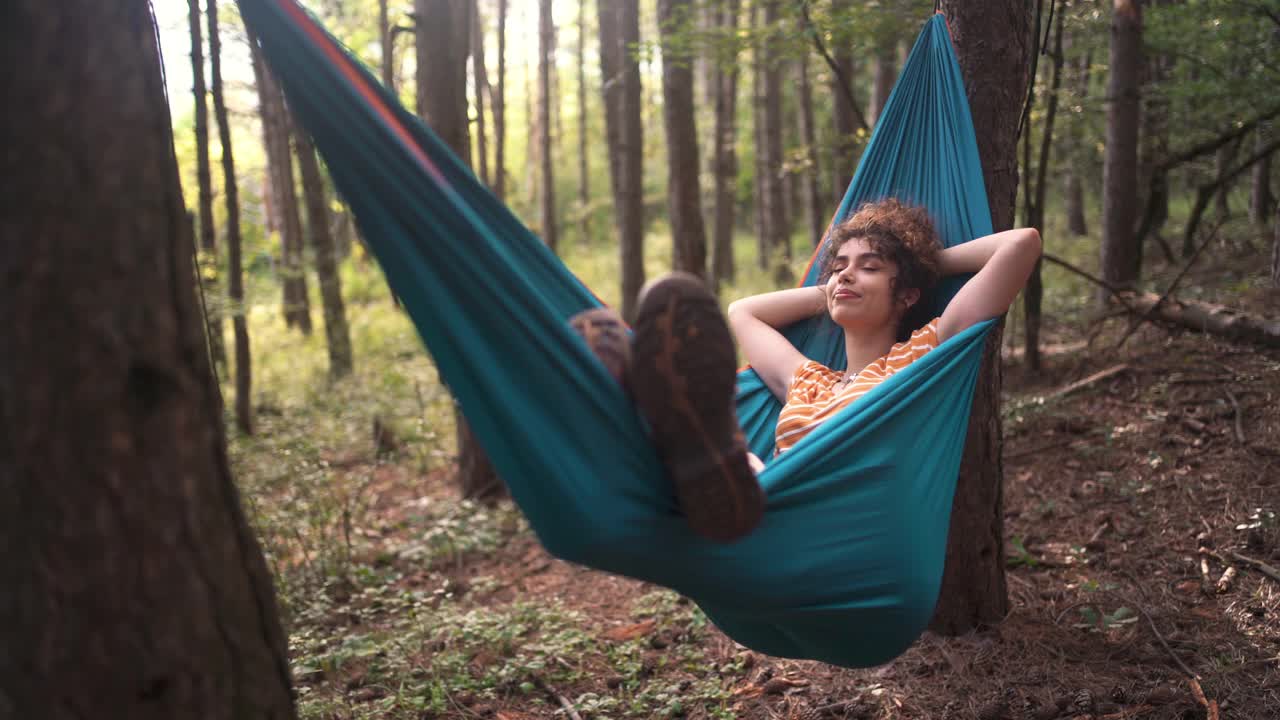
x=860, y=294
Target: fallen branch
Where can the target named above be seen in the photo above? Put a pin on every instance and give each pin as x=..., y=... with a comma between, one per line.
x=1133, y=326
x=564, y=702
x=1210, y=706
x=1100, y=375
x=1214, y=319
x=1258, y=565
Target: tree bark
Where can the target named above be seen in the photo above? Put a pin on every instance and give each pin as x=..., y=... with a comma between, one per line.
x=620, y=69
x=843, y=117
x=386, y=40
x=547, y=195
x=759, y=172
x=814, y=212
x=991, y=40
x=277, y=135
x=1121, y=254
x=500, y=109
x=684, y=200
x=776, y=242
x=231, y=192
x=133, y=585
x=337, y=335
x=725, y=164
x=1275, y=250
x=480, y=82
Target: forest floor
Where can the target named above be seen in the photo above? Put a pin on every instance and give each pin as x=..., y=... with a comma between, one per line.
x=1141, y=525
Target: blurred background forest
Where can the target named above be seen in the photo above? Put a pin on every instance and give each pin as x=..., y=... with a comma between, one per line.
x=1144, y=154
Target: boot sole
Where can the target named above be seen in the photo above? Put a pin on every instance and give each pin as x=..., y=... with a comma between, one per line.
x=683, y=378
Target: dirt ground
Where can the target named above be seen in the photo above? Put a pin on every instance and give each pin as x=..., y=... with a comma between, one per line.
x=1141, y=502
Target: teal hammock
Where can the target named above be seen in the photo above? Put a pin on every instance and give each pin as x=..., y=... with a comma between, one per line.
x=846, y=566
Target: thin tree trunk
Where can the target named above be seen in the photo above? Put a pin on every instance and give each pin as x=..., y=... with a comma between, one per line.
x=584, y=176
x=480, y=80
x=725, y=163
x=1275, y=250
x=133, y=584
x=991, y=40
x=386, y=40
x=336, y=333
x=1222, y=161
x=815, y=215
x=760, y=173
x=547, y=195
x=1121, y=254
x=1260, y=197
x=1076, y=168
x=684, y=201
x=776, y=240
x=231, y=192
x=277, y=137
x=620, y=70
x=500, y=109
x=208, y=236
x=843, y=118
x=884, y=71
x=1033, y=295
x=442, y=101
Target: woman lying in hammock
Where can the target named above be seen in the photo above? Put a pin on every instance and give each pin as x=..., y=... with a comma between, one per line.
x=679, y=366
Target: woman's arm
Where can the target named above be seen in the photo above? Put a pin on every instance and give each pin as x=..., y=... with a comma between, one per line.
x=1002, y=263
x=755, y=321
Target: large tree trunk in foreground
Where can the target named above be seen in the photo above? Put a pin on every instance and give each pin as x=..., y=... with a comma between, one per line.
x=1121, y=253
x=991, y=40
x=624, y=129
x=547, y=225
x=684, y=200
x=132, y=584
x=725, y=157
x=231, y=191
x=336, y=333
x=442, y=102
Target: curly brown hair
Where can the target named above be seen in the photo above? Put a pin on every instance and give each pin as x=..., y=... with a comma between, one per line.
x=904, y=235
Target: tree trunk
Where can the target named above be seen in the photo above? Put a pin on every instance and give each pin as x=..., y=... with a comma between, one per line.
x=1076, y=168
x=843, y=120
x=547, y=186
x=1121, y=254
x=480, y=82
x=442, y=101
x=684, y=201
x=336, y=333
x=500, y=109
x=815, y=214
x=208, y=236
x=884, y=72
x=620, y=71
x=725, y=164
x=231, y=191
x=1033, y=295
x=776, y=241
x=1260, y=197
x=388, y=49
x=759, y=172
x=584, y=175
x=1275, y=250
x=991, y=40
x=277, y=136
x=133, y=585
x=1223, y=160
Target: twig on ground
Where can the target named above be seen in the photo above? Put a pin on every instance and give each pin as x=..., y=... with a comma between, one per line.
x=1239, y=425
x=1165, y=643
x=1258, y=565
x=564, y=702
x=1100, y=375
x=1210, y=706
x=1037, y=450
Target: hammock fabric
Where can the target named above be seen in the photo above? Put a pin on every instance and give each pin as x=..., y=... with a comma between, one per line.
x=846, y=565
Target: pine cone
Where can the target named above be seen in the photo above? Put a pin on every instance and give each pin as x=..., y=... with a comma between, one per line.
x=1083, y=702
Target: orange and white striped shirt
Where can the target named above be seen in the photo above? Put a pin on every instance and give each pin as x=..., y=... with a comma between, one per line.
x=817, y=392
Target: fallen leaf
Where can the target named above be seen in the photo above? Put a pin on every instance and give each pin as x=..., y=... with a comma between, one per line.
x=630, y=632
